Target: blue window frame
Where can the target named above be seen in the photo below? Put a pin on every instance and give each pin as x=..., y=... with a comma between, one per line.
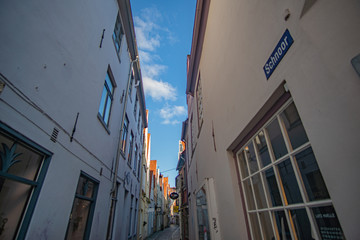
x=23, y=167
x=82, y=212
x=106, y=99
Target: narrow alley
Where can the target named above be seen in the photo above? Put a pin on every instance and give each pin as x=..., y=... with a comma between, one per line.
x=170, y=233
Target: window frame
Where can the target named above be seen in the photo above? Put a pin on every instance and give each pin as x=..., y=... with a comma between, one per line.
x=124, y=134
x=36, y=185
x=117, y=35
x=249, y=193
x=131, y=145
x=109, y=93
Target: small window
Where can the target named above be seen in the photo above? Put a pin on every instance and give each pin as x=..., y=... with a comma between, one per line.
x=135, y=107
x=139, y=120
x=131, y=140
x=83, y=208
x=118, y=35
x=106, y=99
x=124, y=134
x=139, y=164
x=131, y=82
x=135, y=160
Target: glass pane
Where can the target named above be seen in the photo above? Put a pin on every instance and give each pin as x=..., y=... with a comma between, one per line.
x=13, y=200
x=294, y=126
x=202, y=215
x=302, y=224
x=259, y=191
x=276, y=139
x=249, y=195
x=311, y=175
x=328, y=223
x=85, y=187
x=255, y=229
x=266, y=225
x=273, y=189
x=262, y=149
x=16, y=159
x=107, y=111
x=250, y=153
x=289, y=182
x=109, y=83
x=78, y=219
x=282, y=225
x=102, y=102
x=243, y=165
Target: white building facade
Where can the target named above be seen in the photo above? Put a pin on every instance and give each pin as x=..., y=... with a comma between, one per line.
x=273, y=91
x=72, y=111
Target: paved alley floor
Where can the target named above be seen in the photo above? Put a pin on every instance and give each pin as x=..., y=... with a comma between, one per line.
x=170, y=233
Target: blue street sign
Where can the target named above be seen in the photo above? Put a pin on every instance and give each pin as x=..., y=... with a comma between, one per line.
x=279, y=52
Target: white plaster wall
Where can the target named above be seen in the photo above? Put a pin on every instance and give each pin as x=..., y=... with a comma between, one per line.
x=50, y=51
x=239, y=39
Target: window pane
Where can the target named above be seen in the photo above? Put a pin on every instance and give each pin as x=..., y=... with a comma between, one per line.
x=289, y=182
x=102, y=102
x=243, y=165
x=259, y=191
x=249, y=195
x=85, y=187
x=108, y=83
x=255, y=228
x=78, y=219
x=266, y=225
x=262, y=149
x=282, y=225
x=19, y=160
x=107, y=110
x=273, y=188
x=276, y=139
x=250, y=153
x=301, y=223
x=13, y=199
x=311, y=175
x=328, y=223
x=294, y=126
x=202, y=215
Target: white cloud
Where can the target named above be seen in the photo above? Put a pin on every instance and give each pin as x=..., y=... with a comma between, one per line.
x=169, y=114
x=159, y=90
x=153, y=70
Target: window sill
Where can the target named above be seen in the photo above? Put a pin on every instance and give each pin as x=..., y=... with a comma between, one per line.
x=103, y=123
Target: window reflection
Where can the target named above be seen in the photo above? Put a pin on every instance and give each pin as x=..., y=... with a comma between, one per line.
x=262, y=149
x=294, y=126
x=328, y=223
x=276, y=139
x=289, y=182
x=266, y=225
x=249, y=195
x=301, y=224
x=273, y=188
x=282, y=226
x=311, y=175
x=255, y=226
x=243, y=165
x=202, y=215
x=259, y=191
x=250, y=153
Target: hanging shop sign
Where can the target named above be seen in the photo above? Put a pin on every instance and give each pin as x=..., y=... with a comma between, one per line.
x=279, y=52
x=174, y=195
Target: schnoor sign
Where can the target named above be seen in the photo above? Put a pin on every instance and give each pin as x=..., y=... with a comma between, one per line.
x=279, y=52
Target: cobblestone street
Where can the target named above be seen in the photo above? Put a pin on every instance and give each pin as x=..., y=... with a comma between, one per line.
x=170, y=233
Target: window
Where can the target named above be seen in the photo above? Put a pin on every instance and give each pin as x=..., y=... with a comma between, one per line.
x=118, y=35
x=139, y=165
x=106, y=99
x=202, y=215
x=131, y=82
x=83, y=208
x=135, y=160
x=199, y=101
x=139, y=120
x=23, y=166
x=135, y=106
x=284, y=191
x=124, y=134
x=131, y=140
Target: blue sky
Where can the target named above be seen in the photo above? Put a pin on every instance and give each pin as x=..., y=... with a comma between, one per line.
x=164, y=32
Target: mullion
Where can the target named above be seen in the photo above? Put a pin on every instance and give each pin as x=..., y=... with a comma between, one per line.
x=18, y=179
x=84, y=198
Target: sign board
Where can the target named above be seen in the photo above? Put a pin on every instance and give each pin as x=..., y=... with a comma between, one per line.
x=279, y=52
x=176, y=209
x=174, y=195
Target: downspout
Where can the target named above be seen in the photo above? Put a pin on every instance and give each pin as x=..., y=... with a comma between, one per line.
x=114, y=189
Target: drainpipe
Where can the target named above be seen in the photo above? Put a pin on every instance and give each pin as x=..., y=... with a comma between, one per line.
x=114, y=189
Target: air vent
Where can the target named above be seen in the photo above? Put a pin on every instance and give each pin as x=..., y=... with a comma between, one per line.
x=54, y=135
